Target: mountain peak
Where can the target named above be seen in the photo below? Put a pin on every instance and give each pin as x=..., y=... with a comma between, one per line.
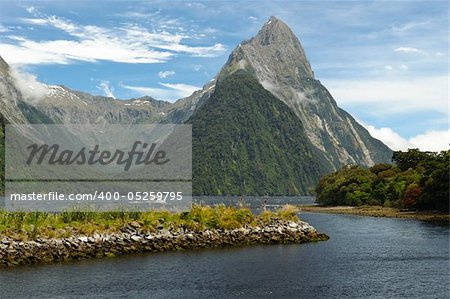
x=283, y=46
x=274, y=21
x=274, y=53
x=274, y=27
x=276, y=58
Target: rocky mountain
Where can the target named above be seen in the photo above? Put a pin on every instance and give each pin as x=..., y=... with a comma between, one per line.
x=263, y=125
x=277, y=59
x=68, y=106
x=242, y=142
x=10, y=96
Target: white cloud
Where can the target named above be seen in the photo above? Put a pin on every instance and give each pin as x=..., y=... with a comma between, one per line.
x=393, y=95
x=185, y=89
x=31, y=9
x=196, y=5
x=429, y=141
x=169, y=42
x=139, y=14
x=432, y=140
x=389, y=137
x=126, y=44
x=65, y=51
x=13, y=54
x=401, y=28
x=409, y=50
x=3, y=29
x=170, y=93
x=210, y=30
x=166, y=74
x=107, y=89
x=34, y=21
x=197, y=67
x=28, y=85
x=402, y=67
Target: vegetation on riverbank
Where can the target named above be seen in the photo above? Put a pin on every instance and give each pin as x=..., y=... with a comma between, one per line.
x=33, y=225
x=417, y=181
x=31, y=238
x=135, y=238
x=378, y=211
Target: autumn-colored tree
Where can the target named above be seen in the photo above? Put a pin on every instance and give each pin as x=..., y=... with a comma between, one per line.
x=412, y=194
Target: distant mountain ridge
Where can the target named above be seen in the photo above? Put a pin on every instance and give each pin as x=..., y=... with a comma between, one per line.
x=263, y=125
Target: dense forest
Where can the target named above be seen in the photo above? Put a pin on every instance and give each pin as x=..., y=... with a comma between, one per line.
x=248, y=142
x=417, y=180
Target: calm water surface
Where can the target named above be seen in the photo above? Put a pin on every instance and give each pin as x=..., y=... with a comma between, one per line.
x=365, y=258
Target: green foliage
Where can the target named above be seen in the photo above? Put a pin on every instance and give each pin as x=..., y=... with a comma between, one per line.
x=380, y=168
x=31, y=225
x=419, y=180
x=435, y=183
x=349, y=186
x=246, y=141
x=409, y=159
x=288, y=212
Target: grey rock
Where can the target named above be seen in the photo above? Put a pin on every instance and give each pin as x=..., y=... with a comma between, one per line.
x=83, y=239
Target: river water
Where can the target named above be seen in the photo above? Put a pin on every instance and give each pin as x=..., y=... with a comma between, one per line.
x=365, y=257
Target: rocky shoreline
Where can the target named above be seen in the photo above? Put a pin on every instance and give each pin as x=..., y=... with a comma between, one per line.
x=134, y=239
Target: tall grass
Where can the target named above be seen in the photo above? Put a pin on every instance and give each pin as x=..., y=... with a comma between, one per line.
x=32, y=225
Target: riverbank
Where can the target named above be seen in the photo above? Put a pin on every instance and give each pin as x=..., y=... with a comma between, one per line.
x=83, y=235
x=377, y=211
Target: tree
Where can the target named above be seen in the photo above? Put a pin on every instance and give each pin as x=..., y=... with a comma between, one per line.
x=435, y=183
x=352, y=185
x=412, y=194
x=382, y=167
x=419, y=180
x=410, y=159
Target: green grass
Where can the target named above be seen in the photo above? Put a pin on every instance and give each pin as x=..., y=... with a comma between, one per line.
x=33, y=225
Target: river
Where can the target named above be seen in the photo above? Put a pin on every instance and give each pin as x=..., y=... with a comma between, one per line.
x=365, y=257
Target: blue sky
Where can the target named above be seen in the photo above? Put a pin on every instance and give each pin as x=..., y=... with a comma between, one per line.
x=385, y=62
